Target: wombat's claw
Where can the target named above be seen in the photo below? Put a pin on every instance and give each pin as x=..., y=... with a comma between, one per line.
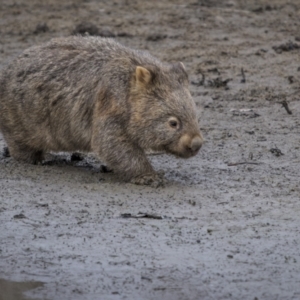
x=154, y=180
x=160, y=173
x=105, y=169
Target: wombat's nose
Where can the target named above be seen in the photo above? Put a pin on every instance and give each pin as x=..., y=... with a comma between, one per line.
x=196, y=144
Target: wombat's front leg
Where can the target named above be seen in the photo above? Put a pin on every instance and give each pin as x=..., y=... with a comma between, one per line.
x=125, y=158
x=131, y=163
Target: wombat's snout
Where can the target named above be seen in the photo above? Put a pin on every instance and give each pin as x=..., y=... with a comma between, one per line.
x=193, y=146
x=196, y=144
x=189, y=146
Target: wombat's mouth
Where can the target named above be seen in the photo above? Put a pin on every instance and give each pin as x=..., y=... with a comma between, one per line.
x=179, y=151
x=186, y=146
x=188, y=153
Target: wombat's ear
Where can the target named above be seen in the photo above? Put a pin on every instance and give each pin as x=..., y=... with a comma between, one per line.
x=143, y=76
x=182, y=66
x=179, y=68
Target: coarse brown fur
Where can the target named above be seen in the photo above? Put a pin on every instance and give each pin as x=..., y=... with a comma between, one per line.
x=92, y=94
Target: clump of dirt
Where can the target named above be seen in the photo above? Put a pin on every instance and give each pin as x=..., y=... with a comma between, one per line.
x=87, y=28
x=41, y=28
x=289, y=46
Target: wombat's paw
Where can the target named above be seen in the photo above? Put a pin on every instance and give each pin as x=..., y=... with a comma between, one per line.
x=5, y=152
x=154, y=180
x=27, y=155
x=77, y=157
x=105, y=169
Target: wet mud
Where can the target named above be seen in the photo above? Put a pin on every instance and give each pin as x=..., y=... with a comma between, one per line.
x=226, y=225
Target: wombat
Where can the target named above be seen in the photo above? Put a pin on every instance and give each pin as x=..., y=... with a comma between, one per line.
x=92, y=94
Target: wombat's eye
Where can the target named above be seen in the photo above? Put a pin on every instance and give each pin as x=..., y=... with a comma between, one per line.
x=174, y=123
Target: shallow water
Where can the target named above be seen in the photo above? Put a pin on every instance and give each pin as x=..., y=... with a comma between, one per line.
x=13, y=290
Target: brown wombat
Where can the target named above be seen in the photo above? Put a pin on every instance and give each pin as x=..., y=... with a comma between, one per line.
x=92, y=94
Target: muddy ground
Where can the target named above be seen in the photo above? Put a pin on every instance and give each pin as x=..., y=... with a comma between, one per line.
x=228, y=220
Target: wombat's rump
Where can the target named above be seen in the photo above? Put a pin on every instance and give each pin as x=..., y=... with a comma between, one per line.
x=92, y=94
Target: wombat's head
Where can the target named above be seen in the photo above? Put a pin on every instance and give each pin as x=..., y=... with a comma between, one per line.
x=163, y=113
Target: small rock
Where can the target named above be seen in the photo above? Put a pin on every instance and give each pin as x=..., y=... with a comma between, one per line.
x=261, y=139
x=19, y=216
x=192, y=202
x=5, y=152
x=41, y=28
x=86, y=28
x=219, y=82
x=124, y=34
x=289, y=46
x=290, y=79
x=156, y=37
x=207, y=101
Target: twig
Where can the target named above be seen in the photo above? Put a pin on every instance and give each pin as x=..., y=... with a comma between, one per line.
x=199, y=82
x=244, y=163
x=243, y=76
x=202, y=81
x=20, y=216
x=276, y=151
x=286, y=106
x=141, y=215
